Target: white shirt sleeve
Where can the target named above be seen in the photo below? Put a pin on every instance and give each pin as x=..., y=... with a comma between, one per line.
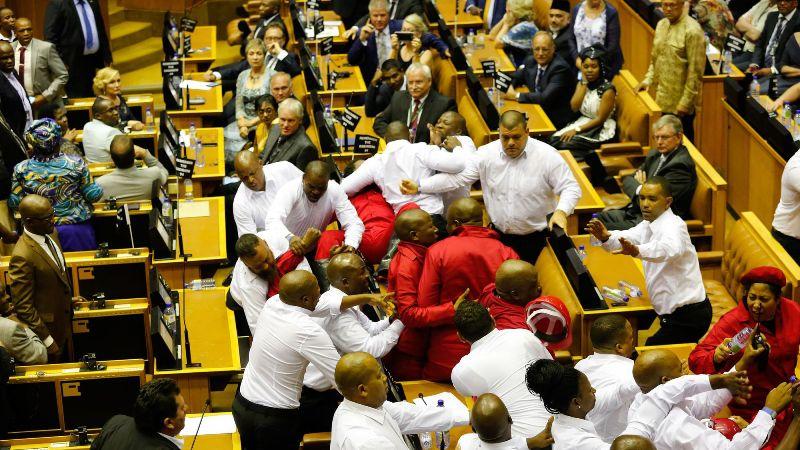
x=362, y=177
x=705, y=405
x=280, y=209
x=347, y=216
x=633, y=235
x=372, y=328
x=445, y=182
x=466, y=381
x=563, y=182
x=611, y=398
x=318, y=349
x=440, y=160
x=413, y=419
x=667, y=245
x=349, y=336
x=657, y=403
x=754, y=435
x=241, y=213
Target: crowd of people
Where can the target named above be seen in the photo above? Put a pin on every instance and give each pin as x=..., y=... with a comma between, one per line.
x=462, y=302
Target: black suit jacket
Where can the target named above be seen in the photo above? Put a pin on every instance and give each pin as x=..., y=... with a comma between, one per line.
x=297, y=149
x=565, y=46
x=759, y=52
x=120, y=433
x=62, y=27
x=678, y=169
x=558, y=85
x=12, y=106
x=434, y=106
x=13, y=150
x=377, y=98
x=350, y=10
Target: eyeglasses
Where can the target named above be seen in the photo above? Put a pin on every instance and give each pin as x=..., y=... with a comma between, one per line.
x=659, y=137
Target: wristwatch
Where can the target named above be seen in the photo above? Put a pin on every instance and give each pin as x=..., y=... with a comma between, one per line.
x=770, y=411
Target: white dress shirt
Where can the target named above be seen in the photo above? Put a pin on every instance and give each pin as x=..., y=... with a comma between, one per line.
x=250, y=207
x=27, y=72
x=88, y=26
x=607, y=370
x=404, y=160
x=23, y=96
x=352, y=331
x=671, y=269
x=519, y=193
x=496, y=364
x=9, y=39
x=292, y=213
x=359, y=427
x=250, y=290
x=97, y=138
x=787, y=214
x=177, y=441
x=471, y=441
x=466, y=151
x=287, y=339
x=58, y=259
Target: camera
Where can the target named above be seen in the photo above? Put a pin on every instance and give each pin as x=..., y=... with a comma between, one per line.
x=90, y=363
x=98, y=301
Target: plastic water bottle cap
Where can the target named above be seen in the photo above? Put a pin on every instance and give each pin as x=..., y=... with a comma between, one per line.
x=440, y=403
x=793, y=379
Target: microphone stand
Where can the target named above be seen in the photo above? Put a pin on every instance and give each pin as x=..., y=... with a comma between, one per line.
x=185, y=257
x=203, y=414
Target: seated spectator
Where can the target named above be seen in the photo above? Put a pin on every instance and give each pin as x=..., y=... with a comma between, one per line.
x=671, y=160
x=515, y=32
x=398, y=9
x=558, y=25
x=750, y=25
x=58, y=112
x=280, y=87
x=19, y=340
x=159, y=415
x=389, y=79
x=422, y=48
x=547, y=77
x=374, y=43
x=64, y=181
x=7, y=21
x=417, y=107
x=790, y=64
x=250, y=85
x=107, y=84
x=597, y=22
x=128, y=182
x=595, y=99
x=288, y=141
x=98, y=133
x=778, y=28
x=267, y=109
x=790, y=96
x=716, y=19
x=38, y=65
x=268, y=13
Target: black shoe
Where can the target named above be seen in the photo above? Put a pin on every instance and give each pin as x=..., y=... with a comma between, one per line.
x=227, y=281
x=244, y=28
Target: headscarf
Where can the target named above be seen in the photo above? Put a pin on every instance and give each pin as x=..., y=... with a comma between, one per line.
x=598, y=53
x=44, y=136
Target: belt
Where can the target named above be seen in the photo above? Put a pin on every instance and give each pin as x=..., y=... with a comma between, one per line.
x=266, y=409
x=691, y=307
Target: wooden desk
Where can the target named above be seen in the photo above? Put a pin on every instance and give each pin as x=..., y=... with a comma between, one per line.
x=121, y=330
x=590, y=201
x=412, y=390
x=203, y=238
x=488, y=52
x=364, y=127
x=79, y=110
x=539, y=125
x=211, y=441
x=447, y=8
x=346, y=88
x=339, y=42
x=204, y=49
x=205, y=179
x=136, y=208
x=636, y=39
x=709, y=128
x=201, y=115
x=212, y=334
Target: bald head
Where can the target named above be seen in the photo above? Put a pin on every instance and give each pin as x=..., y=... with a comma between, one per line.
x=464, y=211
x=512, y=119
x=299, y=288
x=348, y=273
x=490, y=419
x=517, y=282
x=318, y=169
x=246, y=160
x=37, y=214
x=396, y=131
x=360, y=379
x=122, y=152
x=632, y=442
x=655, y=367
x=415, y=226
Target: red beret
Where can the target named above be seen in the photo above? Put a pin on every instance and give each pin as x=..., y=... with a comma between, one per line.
x=765, y=274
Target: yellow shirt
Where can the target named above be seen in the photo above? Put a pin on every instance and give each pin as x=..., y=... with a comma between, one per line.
x=677, y=64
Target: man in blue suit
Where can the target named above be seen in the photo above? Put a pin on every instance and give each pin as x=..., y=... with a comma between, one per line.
x=497, y=8
x=374, y=43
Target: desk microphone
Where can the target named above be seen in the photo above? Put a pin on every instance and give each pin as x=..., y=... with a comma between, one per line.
x=197, y=431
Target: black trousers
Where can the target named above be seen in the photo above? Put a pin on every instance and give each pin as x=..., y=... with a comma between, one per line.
x=81, y=73
x=317, y=409
x=261, y=427
x=790, y=244
x=620, y=219
x=687, y=122
x=527, y=246
x=686, y=324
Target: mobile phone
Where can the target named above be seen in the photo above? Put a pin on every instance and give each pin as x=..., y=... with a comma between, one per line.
x=405, y=36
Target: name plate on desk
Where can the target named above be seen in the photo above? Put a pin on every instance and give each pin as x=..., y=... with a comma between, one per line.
x=734, y=44
x=366, y=144
x=184, y=167
x=489, y=67
x=349, y=119
x=502, y=81
x=326, y=45
x=188, y=24
x=171, y=69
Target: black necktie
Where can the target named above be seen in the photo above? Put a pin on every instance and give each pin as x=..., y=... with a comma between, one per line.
x=52, y=247
x=539, y=79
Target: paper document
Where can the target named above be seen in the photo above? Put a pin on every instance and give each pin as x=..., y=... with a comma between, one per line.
x=216, y=424
x=197, y=85
x=193, y=209
x=329, y=31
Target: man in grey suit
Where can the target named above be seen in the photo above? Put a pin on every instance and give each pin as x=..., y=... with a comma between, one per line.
x=21, y=342
x=38, y=65
x=671, y=160
x=287, y=141
x=128, y=182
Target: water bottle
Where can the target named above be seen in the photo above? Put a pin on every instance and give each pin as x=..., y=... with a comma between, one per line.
x=166, y=212
x=480, y=40
x=582, y=252
x=796, y=131
x=425, y=440
x=442, y=438
x=593, y=240
x=726, y=61
x=740, y=340
x=169, y=316
x=192, y=134
x=755, y=88
x=188, y=190
x=492, y=97
x=786, y=116
x=615, y=296
x=471, y=39
x=468, y=51
x=501, y=101
x=328, y=116
x=149, y=122
x=315, y=66
x=199, y=156
x=632, y=289
x=201, y=283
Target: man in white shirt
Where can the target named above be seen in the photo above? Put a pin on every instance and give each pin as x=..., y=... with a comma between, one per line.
x=682, y=428
x=610, y=365
x=98, y=133
x=365, y=420
x=671, y=268
x=404, y=160
x=521, y=179
x=496, y=364
x=786, y=222
x=492, y=424
x=450, y=133
x=259, y=186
